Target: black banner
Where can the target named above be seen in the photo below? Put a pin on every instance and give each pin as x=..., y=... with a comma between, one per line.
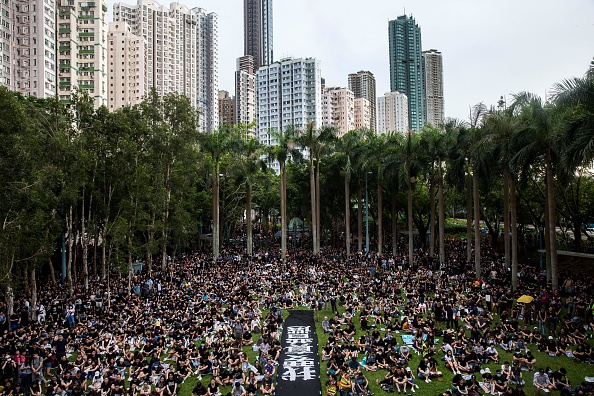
x=299, y=363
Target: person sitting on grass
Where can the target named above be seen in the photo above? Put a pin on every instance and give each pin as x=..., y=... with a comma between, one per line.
x=345, y=385
x=361, y=385
x=452, y=363
x=492, y=354
x=560, y=380
x=400, y=379
x=371, y=362
x=353, y=366
x=331, y=386
x=541, y=382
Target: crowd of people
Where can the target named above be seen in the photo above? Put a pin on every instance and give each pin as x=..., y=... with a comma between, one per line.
x=192, y=322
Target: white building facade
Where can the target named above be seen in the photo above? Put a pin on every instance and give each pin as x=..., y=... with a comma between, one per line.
x=289, y=94
x=392, y=113
x=82, y=49
x=245, y=92
x=433, y=86
x=126, y=71
x=362, y=114
x=338, y=109
x=180, y=52
x=28, y=46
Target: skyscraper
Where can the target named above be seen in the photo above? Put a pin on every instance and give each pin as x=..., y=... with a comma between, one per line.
x=82, y=49
x=433, y=87
x=126, y=67
x=226, y=116
x=181, y=52
x=289, y=94
x=257, y=15
x=245, y=92
x=363, y=86
x=338, y=109
x=392, y=113
x=406, y=69
x=30, y=47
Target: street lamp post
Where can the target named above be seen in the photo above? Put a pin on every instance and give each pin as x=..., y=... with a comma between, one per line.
x=366, y=215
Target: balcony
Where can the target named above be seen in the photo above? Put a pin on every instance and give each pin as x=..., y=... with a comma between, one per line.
x=86, y=51
x=87, y=86
x=64, y=30
x=86, y=69
x=64, y=83
x=64, y=48
x=86, y=34
x=86, y=17
x=65, y=66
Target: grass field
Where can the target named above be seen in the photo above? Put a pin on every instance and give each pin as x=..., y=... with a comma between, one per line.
x=576, y=371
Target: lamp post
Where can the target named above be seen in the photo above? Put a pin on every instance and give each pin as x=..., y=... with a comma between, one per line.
x=366, y=215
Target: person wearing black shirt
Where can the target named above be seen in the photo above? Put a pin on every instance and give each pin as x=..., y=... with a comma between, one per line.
x=199, y=389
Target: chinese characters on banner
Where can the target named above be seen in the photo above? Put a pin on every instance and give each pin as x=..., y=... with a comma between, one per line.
x=300, y=355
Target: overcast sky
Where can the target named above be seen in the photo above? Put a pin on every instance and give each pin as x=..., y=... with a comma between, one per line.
x=489, y=48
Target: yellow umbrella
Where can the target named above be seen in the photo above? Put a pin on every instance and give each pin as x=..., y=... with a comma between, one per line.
x=525, y=299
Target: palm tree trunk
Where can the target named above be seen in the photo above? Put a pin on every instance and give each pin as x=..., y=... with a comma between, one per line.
x=394, y=225
x=546, y=236
x=477, y=220
x=84, y=242
x=506, y=204
x=52, y=272
x=468, y=218
x=283, y=211
x=33, y=295
x=440, y=202
x=514, y=233
x=314, y=215
x=70, y=261
x=379, y=217
x=103, y=254
x=318, y=207
x=215, y=214
x=552, y=221
x=359, y=221
x=432, y=218
x=410, y=226
x=248, y=218
x=347, y=215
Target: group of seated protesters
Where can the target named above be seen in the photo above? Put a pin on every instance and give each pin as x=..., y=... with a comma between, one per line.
x=195, y=318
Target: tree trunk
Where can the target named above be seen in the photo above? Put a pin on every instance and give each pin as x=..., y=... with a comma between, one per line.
x=410, y=226
x=84, y=243
x=441, y=203
x=359, y=221
x=248, y=218
x=314, y=215
x=552, y=221
x=95, y=241
x=164, y=255
x=468, y=218
x=394, y=225
x=283, y=211
x=318, y=208
x=103, y=257
x=52, y=272
x=379, y=216
x=432, y=218
x=69, y=263
x=130, y=267
x=506, y=209
x=33, y=281
x=477, y=223
x=514, y=232
x=215, y=214
x=347, y=215
x=547, y=239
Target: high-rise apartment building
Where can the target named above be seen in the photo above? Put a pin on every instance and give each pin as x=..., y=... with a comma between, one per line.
x=82, y=49
x=181, y=52
x=392, y=113
x=406, y=69
x=28, y=46
x=226, y=113
x=433, y=87
x=338, y=109
x=362, y=114
x=125, y=52
x=289, y=94
x=257, y=15
x=245, y=92
x=362, y=84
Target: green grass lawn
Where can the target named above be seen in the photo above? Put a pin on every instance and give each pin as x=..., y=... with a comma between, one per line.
x=576, y=371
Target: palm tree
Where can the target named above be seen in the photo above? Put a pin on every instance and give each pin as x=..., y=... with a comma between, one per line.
x=501, y=129
x=458, y=174
x=538, y=139
x=284, y=148
x=250, y=164
x=576, y=97
x=216, y=145
x=308, y=141
x=327, y=136
x=349, y=147
x=374, y=158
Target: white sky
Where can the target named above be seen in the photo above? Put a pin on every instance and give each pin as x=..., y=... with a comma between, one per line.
x=490, y=48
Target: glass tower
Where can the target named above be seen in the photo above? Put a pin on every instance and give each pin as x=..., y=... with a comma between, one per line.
x=406, y=67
